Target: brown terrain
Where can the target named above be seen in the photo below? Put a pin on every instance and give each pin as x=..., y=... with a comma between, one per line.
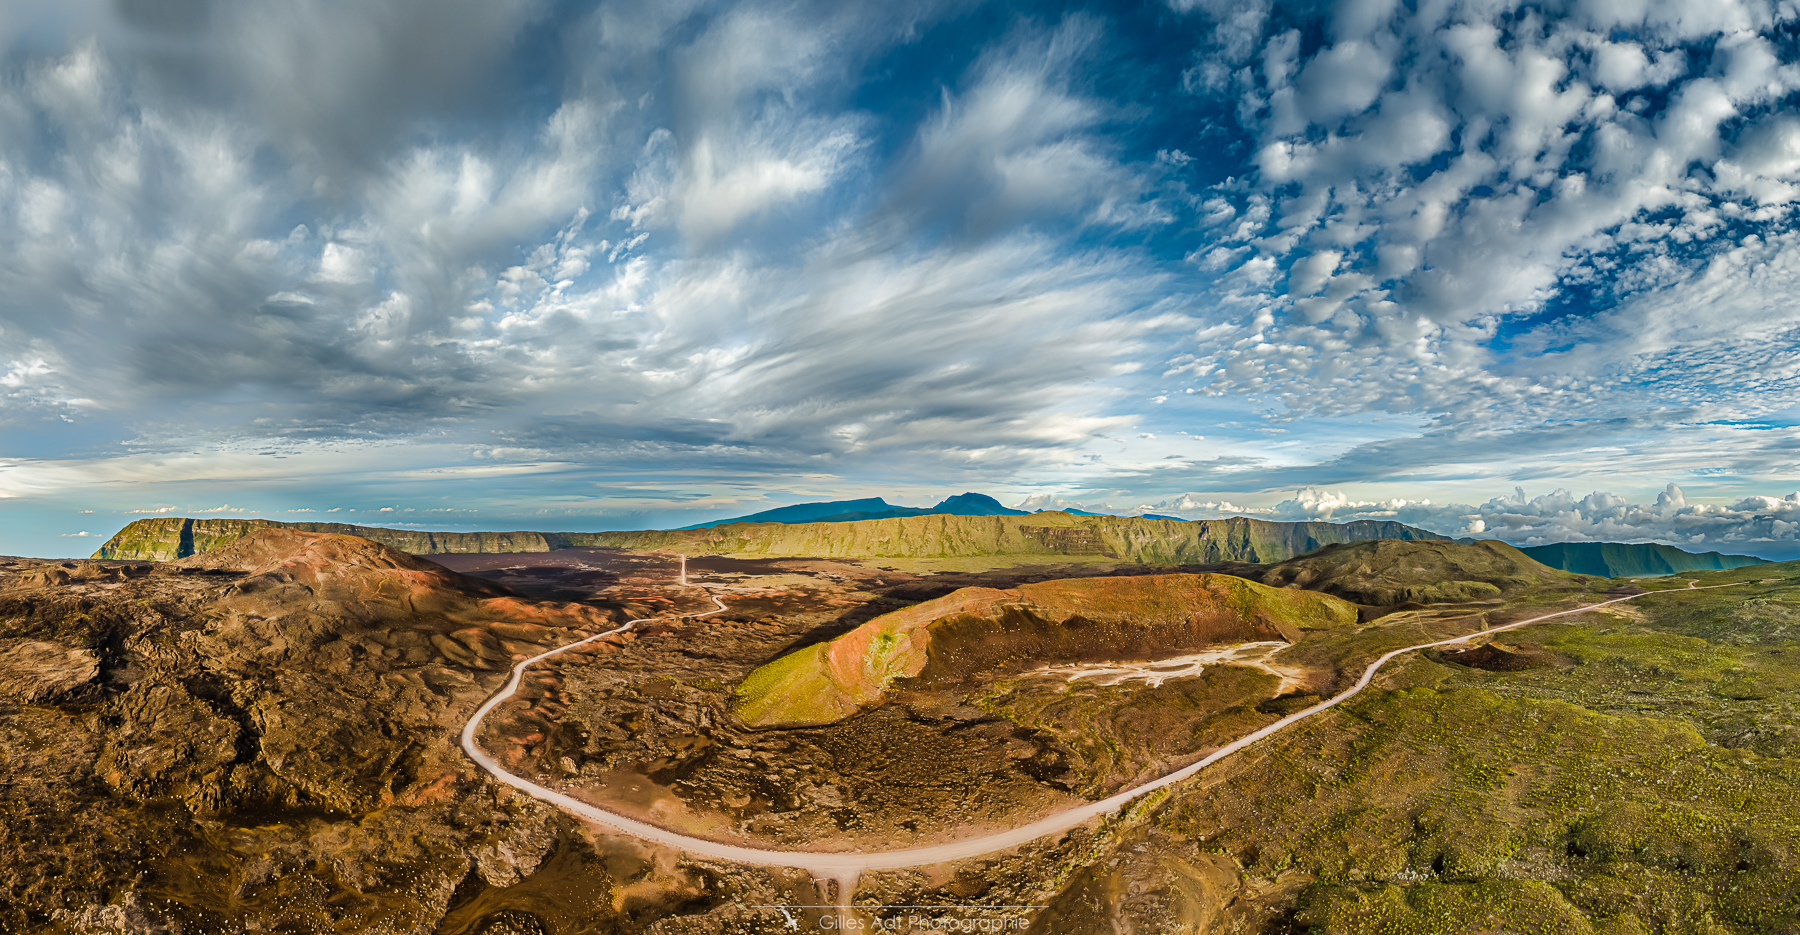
x=263, y=738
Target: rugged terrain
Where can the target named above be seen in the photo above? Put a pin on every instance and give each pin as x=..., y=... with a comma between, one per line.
x=262, y=739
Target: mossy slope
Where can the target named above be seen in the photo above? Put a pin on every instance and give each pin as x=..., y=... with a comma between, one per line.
x=974, y=629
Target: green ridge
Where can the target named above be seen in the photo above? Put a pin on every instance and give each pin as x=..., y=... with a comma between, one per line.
x=1388, y=572
x=1641, y=560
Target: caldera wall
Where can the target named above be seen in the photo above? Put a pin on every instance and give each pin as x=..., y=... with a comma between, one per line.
x=1126, y=539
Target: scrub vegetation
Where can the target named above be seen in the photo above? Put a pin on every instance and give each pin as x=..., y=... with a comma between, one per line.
x=1638, y=777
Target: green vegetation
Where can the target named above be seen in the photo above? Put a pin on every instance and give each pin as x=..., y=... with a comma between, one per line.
x=1465, y=787
x=1640, y=781
x=797, y=675
x=1523, y=906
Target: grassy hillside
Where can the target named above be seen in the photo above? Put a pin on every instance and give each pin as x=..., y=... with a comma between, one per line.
x=1390, y=572
x=1125, y=539
x=974, y=629
x=1640, y=784
x=1619, y=560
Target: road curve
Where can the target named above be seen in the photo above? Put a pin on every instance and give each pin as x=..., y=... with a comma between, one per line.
x=845, y=866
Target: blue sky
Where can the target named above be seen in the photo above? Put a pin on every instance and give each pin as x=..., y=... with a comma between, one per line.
x=1494, y=268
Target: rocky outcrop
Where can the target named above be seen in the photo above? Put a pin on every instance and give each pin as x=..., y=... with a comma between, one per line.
x=32, y=671
x=977, y=629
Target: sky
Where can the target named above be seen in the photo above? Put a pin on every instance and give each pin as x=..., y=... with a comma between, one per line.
x=1523, y=270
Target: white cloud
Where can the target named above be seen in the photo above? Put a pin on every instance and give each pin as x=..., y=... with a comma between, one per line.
x=343, y=265
x=1343, y=80
x=1425, y=215
x=1558, y=516
x=1020, y=146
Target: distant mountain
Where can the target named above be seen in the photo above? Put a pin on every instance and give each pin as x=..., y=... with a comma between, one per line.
x=1072, y=511
x=851, y=511
x=1644, y=560
x=975, y=504
x=823, y=511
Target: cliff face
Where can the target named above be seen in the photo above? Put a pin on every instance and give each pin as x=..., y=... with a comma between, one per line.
x=167, y=539
x=1123, y=538
x=1133, y=539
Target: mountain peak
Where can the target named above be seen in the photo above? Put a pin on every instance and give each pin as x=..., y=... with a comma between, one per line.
x=975, y=504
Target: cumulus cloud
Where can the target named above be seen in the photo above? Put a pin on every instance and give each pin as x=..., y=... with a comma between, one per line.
x=1453, y=189
x=1558, y=516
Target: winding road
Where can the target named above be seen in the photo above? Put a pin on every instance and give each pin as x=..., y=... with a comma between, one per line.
x=844, y=867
